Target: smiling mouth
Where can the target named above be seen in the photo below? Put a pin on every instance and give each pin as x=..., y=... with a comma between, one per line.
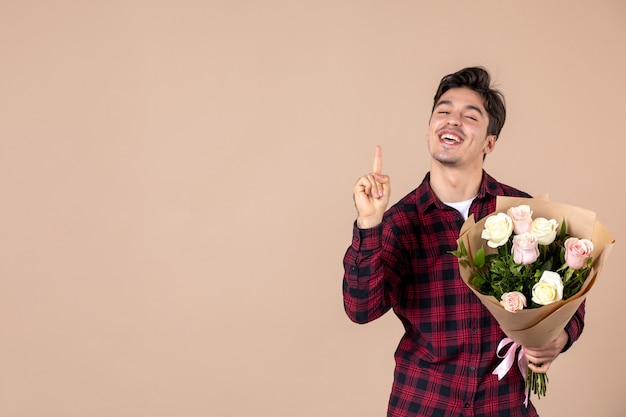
x=450, y=138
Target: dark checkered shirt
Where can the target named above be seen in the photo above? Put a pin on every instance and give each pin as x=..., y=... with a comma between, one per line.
x=445, y=359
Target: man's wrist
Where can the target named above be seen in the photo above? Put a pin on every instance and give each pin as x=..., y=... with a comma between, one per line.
x=367, y=223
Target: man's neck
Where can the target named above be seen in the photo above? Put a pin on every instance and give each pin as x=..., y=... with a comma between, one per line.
x=452, y=185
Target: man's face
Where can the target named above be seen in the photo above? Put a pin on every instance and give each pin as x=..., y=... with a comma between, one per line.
x=457, y=134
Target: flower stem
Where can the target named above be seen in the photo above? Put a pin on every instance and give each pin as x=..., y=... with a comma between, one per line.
x=537, y=383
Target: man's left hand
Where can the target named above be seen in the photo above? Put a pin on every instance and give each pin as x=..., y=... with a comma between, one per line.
x=541, y=357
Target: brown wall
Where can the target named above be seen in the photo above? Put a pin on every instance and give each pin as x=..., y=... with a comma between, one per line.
x=176, y=182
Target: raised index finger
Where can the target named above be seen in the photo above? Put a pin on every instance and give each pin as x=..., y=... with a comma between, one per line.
x=378, y=160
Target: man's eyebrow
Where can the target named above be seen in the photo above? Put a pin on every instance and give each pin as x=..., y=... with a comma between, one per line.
x=468, y=107
x=471, y=107
x=443, y=102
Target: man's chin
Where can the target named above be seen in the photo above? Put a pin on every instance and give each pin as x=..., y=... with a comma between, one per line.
x=446, y=160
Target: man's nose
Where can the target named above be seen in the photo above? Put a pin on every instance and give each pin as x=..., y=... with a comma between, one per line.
x=453, y=119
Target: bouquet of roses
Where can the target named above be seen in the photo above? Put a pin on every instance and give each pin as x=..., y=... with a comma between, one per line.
x=532, y=271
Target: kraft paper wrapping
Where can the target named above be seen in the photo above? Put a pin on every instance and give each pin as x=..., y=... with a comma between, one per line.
x=538, y=326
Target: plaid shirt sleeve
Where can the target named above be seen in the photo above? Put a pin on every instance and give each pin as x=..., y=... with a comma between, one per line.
x=575, y=326
x=368, y=285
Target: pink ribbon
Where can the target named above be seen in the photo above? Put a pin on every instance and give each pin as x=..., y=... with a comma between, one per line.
x=509, y=358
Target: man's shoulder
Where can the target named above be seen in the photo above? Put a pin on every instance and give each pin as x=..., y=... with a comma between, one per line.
x=510, y=191
x=494, y=187
x=407, y=202
x=404, y=209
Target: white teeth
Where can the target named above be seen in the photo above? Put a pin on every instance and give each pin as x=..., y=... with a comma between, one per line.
x=450, y=137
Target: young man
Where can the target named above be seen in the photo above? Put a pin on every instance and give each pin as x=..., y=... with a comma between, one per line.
x=400, y=259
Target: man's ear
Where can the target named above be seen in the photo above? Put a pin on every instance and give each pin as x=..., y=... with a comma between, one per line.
x=490, y=143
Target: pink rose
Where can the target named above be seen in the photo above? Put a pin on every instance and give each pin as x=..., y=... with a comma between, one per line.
x=522, y=218
x=577, y=251
x=525, y=248
x=513, y=301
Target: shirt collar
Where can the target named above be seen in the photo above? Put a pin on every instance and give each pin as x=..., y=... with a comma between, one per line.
x=426, y=198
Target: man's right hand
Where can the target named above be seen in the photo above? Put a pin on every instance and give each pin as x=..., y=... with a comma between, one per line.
x=371, y=194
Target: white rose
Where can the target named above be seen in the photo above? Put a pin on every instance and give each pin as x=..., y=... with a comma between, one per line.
x=545, y=230
x=549, y=289
x=498, y=229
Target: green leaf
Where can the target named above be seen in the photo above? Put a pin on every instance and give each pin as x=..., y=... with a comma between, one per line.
x=478, y=281
x=462, y=248
x=568, y=274
x=479, y=258
x=563, y=231
x=547, y=265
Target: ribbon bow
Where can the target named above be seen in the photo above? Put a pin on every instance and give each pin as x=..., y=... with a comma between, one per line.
x=508, y=358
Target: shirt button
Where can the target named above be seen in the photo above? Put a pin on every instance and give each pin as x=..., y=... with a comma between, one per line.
x=467, y=405
x=472, y=368
x=474, y=331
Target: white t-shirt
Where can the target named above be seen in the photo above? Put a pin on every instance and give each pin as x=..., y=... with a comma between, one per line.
x=462, y=206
